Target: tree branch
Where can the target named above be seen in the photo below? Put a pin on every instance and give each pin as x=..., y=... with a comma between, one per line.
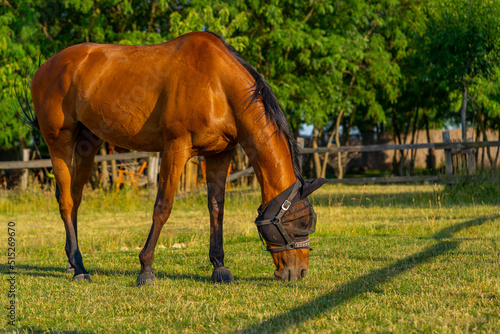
x=6, y=3
x=151, y=19
x=370, y=31
x=308, y=16
x=46, y=32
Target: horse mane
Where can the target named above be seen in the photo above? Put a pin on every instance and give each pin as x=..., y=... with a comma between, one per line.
x=272, y=109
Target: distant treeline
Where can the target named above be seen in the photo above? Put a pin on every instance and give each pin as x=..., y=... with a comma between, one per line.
x=368, y=66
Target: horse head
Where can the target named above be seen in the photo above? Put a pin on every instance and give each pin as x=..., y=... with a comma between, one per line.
x=285, y=224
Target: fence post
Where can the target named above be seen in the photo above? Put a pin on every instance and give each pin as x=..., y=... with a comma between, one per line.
x=470, y=159
x=300, y=144
x=114, y=171
x=448, y=158
x=104, y=167
x=24, y=178
x=153, y=172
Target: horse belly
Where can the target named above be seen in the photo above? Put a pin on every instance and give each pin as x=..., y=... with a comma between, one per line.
x=124, y=114
x=124, y=131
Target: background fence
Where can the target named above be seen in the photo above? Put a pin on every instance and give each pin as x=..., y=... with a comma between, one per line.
x=194, y=168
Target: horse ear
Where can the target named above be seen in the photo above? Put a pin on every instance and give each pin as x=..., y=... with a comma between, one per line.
x=311, y=185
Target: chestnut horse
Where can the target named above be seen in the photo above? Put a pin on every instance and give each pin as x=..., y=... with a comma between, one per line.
x=193, y=95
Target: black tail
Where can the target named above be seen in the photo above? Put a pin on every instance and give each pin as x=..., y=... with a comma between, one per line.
x=262, y=91
x=28, y=116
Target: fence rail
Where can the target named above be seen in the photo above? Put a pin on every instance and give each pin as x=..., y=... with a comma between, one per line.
x=446, y=145
x=367, y=148
x=397, y=147
x=98, y=158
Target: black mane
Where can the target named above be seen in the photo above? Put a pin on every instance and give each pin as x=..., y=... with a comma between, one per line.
x=272, y=109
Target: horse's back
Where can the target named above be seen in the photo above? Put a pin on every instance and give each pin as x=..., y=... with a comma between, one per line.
x=141, y=96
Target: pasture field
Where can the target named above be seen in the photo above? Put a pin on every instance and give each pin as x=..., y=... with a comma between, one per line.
x=386, y=258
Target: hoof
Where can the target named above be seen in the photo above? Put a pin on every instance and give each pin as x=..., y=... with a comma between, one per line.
x=222, y=275
x=70, y=269
x=82, y=277
x=146, y=279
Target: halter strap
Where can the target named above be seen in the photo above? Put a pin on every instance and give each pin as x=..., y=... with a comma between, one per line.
x=284, y=207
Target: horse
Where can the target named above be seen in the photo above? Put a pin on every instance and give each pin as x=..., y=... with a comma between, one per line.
x=191, y=96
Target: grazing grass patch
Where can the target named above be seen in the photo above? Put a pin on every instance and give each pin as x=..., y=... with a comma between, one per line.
x=395, y=258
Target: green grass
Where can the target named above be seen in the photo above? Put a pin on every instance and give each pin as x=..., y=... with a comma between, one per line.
x=395, y=258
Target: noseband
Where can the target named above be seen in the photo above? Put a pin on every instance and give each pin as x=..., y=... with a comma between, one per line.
x=293, y=214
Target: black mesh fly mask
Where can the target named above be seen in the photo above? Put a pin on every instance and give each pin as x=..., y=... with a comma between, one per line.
x=289, y=218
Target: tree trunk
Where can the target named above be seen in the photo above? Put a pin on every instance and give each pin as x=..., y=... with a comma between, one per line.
x=431, y=157
x=349, y=126
x=413, y=152
x=397, y=166
x=463, y=110
x=317, y=162
x=340, y=173
x=335, y=133
x=463, y=119
x=478, y=138
x=496, y=155
x=483, y=121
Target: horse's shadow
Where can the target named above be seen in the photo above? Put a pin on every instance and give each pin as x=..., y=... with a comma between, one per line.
x=34, y=330
x=60, y=272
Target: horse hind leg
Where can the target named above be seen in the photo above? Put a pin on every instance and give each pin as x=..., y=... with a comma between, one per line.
x=73, y=160
x=70, y=269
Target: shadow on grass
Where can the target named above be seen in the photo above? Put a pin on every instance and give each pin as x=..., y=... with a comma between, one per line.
x=60, y=273
x=31, y=330
x=35, y=270
x=365, y=283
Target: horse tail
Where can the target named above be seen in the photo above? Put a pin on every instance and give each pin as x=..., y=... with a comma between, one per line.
x=29, y=118
x=263, y=92
x=28, y=115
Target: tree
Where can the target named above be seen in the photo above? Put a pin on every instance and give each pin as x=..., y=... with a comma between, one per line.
x=20, y=43
x=462, y=41
x=334, y=64
x=485, y=97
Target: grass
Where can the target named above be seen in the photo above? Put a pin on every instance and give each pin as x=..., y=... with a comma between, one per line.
x=393, y=258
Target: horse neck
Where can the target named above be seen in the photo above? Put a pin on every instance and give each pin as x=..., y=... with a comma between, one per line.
x=269, y=154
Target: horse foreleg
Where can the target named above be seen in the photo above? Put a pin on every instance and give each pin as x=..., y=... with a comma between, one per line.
x=217, y=167
x=174, y=158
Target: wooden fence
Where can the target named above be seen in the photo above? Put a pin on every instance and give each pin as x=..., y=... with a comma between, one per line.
x=450, y=149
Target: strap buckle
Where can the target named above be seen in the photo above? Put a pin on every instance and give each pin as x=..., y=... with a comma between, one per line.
x=286, y=205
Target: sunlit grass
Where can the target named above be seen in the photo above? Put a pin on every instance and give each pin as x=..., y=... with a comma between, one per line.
x=395, y=258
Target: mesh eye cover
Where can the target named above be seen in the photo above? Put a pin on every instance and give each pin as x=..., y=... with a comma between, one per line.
x=300, y=220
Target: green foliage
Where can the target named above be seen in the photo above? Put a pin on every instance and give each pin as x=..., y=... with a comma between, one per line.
x=486, y=93
x=217, y=19
x=462, y=39
x=461, y=47
x=320, y=57
x=19, y=48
